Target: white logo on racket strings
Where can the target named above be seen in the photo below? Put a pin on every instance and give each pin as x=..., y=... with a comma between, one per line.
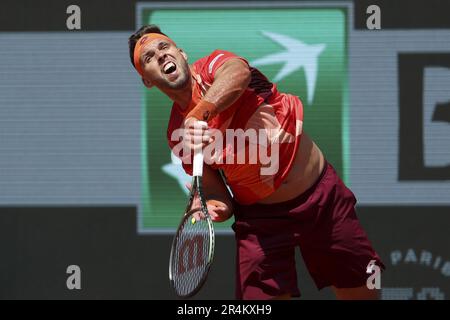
x=249, y=146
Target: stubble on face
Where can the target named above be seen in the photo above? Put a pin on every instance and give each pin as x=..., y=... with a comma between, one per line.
x=183, y=79
x=177, y=79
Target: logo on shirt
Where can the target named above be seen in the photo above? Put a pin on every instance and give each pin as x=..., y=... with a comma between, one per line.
x=211, y=64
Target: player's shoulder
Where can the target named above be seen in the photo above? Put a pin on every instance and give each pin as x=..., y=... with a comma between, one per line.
x=207, y=65
x=215, y=53
x=206, y=60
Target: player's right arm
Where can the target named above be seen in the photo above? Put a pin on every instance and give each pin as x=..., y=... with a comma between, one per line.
x=230, y=81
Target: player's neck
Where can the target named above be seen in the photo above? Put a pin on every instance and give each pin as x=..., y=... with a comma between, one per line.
x=182, y=97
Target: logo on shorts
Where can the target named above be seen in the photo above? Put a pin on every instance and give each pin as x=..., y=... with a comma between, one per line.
x=374, y=280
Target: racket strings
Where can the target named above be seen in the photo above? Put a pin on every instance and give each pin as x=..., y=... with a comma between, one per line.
x=192, y=255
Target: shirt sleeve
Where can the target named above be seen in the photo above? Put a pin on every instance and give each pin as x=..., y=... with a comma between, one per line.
x=215, y=61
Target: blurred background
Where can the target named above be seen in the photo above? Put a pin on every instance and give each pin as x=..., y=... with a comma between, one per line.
x=87, y=179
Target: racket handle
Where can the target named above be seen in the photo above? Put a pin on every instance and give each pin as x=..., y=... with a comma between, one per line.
x=198, y=158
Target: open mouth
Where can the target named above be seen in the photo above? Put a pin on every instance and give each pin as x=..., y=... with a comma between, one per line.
x=169, y=68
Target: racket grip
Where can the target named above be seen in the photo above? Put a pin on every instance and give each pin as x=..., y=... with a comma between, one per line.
x=198, y=164
x=198, y=158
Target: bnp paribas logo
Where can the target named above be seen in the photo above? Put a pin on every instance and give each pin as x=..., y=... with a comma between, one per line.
x=304, y=51
x=295, y=57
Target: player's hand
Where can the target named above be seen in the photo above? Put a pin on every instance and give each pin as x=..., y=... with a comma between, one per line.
x=196, y=134
x=218, y=211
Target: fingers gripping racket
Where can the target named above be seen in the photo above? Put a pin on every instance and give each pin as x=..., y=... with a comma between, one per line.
x=193, y=245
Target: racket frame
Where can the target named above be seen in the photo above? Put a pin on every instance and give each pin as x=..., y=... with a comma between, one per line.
x=196, y=187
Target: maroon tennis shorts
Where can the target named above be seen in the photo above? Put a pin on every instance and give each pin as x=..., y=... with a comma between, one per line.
x=321, y=221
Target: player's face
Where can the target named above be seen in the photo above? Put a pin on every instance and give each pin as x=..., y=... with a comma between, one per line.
x=165, y=66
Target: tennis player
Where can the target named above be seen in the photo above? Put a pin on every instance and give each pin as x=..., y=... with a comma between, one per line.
x=303, y=204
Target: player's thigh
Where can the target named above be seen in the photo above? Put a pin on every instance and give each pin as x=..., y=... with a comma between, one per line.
x=338, y=255
x=265, y=261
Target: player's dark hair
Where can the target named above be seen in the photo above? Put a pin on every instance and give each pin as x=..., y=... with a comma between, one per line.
x=133, y=39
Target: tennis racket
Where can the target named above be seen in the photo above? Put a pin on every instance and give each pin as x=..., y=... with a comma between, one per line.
x=192, y=249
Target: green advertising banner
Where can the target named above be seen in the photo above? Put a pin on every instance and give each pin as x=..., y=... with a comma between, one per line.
x=303, y=50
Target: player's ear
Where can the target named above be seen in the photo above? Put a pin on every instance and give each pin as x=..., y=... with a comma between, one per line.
x=183, y=54
x=147, y=83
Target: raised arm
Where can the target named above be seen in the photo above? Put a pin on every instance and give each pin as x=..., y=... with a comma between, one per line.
x=230, y=81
